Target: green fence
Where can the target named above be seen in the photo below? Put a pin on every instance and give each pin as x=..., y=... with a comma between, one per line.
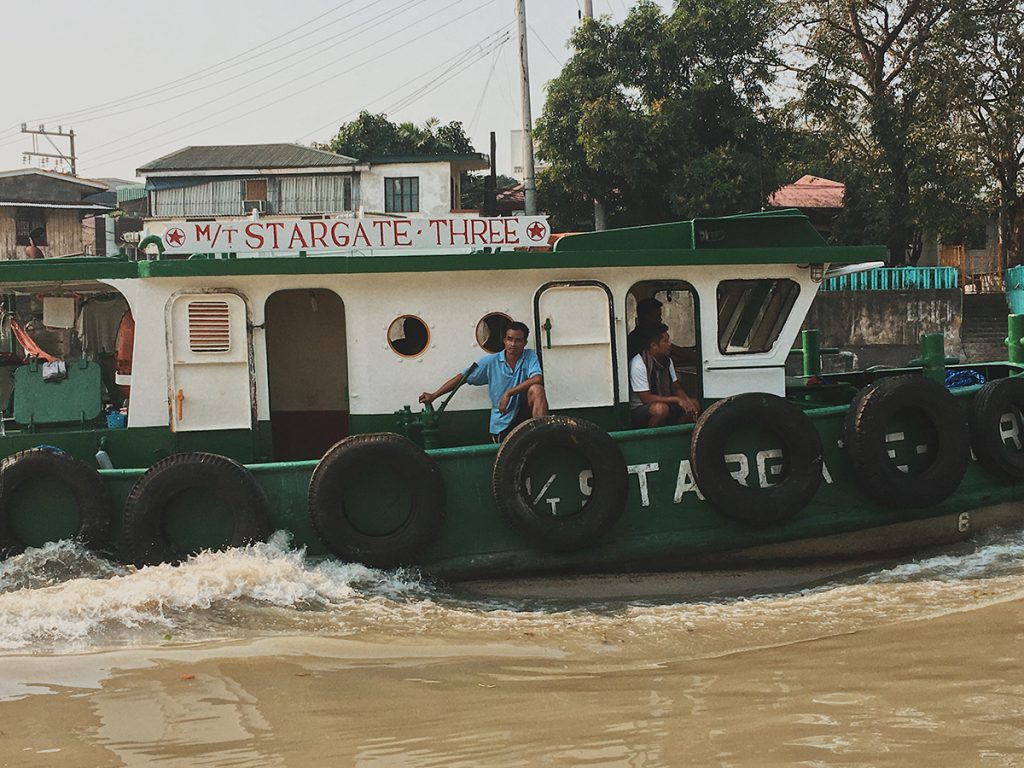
x=895, y=279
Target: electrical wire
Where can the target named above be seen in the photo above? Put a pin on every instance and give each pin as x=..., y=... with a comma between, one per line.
x=227, y=108
x=483, y=94
x=449, y=63
x=537, y=35
x=208, y=71
x=112, y=156
x=440, y=80
x=249, y=72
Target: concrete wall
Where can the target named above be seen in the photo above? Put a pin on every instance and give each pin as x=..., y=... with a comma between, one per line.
x=435, y=186
x=885, y=327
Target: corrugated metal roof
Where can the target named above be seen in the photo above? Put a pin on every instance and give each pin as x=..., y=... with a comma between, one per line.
x=134, y=192
x=54, y=175
x=246, y=156
x=66, y=206
x=809, y=192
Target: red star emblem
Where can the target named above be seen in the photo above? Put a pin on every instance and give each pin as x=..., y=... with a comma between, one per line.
x=175, y=237
x=536, y=231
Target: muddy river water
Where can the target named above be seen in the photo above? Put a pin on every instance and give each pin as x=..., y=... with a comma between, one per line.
x=260, y=658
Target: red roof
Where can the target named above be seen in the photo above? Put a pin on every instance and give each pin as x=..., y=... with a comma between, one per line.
x=809, y=192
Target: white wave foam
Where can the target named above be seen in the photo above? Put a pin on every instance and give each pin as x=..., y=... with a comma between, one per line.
x=163, y=597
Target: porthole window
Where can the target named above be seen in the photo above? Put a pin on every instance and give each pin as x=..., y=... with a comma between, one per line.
x=490, y=331
x=408, y=335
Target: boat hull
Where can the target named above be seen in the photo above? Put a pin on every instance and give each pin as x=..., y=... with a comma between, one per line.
x=665, y=526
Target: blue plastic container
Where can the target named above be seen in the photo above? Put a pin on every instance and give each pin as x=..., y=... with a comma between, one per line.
x=116, y=420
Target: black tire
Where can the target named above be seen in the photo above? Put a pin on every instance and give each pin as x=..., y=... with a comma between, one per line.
x=145, y=537
x=801, y=447
x=412, y=467
x=988, y=407
x=870, y=419
x=92, y=498
x=603, y=507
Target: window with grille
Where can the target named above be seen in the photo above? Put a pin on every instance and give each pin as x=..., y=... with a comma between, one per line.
x=401, y=194
x=30, y=227
x=209, y=326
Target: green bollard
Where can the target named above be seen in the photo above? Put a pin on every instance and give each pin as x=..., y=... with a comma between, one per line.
x=933, y=358
x=811, y=344
x=1015, y=338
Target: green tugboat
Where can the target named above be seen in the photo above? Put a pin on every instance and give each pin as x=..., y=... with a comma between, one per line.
x=159, y=407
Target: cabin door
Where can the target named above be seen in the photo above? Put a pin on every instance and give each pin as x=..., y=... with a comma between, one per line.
x=211, y=379
x=575, y=342
x=307, y=372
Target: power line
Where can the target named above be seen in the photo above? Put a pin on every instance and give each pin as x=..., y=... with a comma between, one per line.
x=114, y=156
x=483, y=93
x=449, y=62
x=147, y=129
x=206, y=72
x=441, y=79
x=536, y=34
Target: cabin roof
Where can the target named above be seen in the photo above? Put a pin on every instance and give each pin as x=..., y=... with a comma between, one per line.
x=782, y=238
x=770, y=229
x=245, y=157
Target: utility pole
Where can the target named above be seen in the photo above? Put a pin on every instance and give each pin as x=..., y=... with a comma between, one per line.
x=529, y=182
x=600, y=217
x=70, y=158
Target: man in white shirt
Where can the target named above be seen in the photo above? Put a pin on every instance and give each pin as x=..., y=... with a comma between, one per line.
x=657, y=398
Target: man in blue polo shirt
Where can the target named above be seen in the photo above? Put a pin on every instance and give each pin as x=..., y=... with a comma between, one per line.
x=514, y=382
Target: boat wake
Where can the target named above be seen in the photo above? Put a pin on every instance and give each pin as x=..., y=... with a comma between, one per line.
x=60, y=598
x=61, y=595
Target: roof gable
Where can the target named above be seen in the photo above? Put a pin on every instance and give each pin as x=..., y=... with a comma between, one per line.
x=32, y=185
x=809, y=192
x=233, y=157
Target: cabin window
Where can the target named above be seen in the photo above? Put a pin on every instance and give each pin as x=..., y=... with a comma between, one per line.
x=209, y=326
x=490, y=331
x=751, y=313
x=30, y=225
x=408, y=335
x=401, y=194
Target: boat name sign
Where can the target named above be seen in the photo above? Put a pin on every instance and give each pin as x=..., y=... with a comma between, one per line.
x=325, y=235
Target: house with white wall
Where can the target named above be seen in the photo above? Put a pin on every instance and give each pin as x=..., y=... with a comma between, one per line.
x=291, y=180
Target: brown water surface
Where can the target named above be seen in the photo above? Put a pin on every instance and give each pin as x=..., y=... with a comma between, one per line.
x=915, y=674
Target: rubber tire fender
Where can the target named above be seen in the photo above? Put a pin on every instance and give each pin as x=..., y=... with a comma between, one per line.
x=867, y=423
x=95, y=508
x=607, y=499
x=801, y=446
x=986, y=415
x=144, y=535
x=411, y=465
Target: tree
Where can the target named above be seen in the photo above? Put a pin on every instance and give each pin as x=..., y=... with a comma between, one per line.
x=989, y=95
x=872, y=72
x=664, y=116
x=371, y=135
x=474, y=184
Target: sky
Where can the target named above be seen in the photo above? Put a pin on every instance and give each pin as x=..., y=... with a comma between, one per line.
x=137, y=80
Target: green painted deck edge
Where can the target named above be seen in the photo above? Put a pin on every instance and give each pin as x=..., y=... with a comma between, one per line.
x=56, y=270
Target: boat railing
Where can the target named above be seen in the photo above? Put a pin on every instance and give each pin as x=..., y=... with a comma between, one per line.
x=895, y=279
